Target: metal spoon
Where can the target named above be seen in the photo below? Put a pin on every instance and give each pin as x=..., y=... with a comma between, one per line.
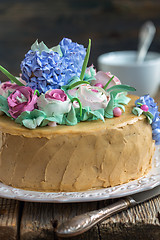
x=146, y=36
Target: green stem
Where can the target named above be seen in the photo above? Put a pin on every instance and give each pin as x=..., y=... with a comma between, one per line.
x=77, y=84
x=36, y=92
x=140, y=104
x=80, y=104
x=108, y=83
x=85, y=60
x=10, y=76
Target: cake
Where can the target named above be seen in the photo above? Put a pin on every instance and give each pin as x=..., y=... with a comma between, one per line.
x=72, y=134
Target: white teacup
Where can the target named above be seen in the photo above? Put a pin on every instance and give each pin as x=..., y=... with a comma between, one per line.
x=145, y=76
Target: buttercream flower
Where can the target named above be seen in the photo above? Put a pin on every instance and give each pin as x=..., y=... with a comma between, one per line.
x=90, y=73
x=7, y=87
x=103, y=77
x=93, y=97
x=46, y=69
x=146, y=100
x=22, y=99
x=54, y=102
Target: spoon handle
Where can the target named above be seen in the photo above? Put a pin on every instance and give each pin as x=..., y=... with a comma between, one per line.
x=84, y=222
x=146, y=35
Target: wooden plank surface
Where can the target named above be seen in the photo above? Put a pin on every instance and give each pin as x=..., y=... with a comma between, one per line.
x=9, y=215
x=140, y=222
x=40, y=220
x=136, y=223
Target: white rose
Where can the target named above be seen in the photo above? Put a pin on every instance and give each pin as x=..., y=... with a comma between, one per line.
x=54, y=102
x=93, y=97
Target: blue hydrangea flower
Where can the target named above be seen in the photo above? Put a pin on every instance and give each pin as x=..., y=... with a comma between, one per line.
x=153, y=109
x=46, y=69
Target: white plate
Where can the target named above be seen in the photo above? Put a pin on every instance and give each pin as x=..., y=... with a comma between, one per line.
x=151, y=180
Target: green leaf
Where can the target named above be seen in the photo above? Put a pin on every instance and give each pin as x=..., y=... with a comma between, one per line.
x=122, y=98
x=89, y=115
x=77, y=84
x=121, y=88
x=10, y=76
x=108, y=112
x=29, y=123
x=108, y=83
x=71, y=118
x=31, y=119
x=57, y=49
x=91, y=75
x=149, y=116
x=4, y=105
x=58, y=119
x=98, y=114
x=85, y=60
x=40, y=47
x=137, y=111
x=71, y=81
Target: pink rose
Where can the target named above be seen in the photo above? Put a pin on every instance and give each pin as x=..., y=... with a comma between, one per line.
x=56, y=94
x=22, y=99
x=102, y=78
x=7, y=87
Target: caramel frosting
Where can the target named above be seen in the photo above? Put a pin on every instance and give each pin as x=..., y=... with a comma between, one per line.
x=89, y=155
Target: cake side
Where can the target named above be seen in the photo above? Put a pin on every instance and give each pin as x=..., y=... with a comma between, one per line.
x=80, y=159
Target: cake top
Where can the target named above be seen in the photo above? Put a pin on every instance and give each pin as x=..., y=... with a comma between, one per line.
x=57, y=88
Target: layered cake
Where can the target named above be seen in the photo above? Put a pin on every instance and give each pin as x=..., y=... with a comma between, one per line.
x=66, y=127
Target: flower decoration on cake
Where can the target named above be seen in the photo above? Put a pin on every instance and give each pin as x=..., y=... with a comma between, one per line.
x=146, y=105
x=91, y=96
x=54, y=102
x=102, y=78
x=7, y=87
x=44, y=69
x=56, y=87
x=21, y=100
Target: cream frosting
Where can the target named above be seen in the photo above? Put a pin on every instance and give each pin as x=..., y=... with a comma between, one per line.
x=86, y=156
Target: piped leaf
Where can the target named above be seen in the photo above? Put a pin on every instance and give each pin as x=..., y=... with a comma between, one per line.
x=40, y=47
x=85, y=60
x=121, y=88
x=10, y=76
x=108, y=112
x=108, y=83
x=58, y=119
x=4, y=106
x=149, y=116
x=31, y=119
x=137, y=111
x=57, y=49
x=71, y=118
x=77, y=84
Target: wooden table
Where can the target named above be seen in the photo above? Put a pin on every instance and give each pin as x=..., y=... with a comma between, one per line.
x=37, y=221
x=28, y=221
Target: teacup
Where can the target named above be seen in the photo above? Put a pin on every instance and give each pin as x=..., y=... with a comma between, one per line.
x=144, y=76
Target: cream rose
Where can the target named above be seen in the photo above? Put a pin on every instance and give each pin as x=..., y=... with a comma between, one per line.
x=93, y=97
x=103, y=77
x=54, y=102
